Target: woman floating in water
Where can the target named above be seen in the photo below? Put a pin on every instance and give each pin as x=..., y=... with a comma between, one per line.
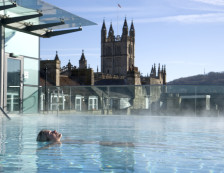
x=49, y=136
x=54, y=138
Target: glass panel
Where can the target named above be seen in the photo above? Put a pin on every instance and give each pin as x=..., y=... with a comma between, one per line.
x=20, y=43
x=14, y=68
x=30, y=100
x=31, y=71
x=13, y=89
x=5, y=2
x=20, y=11
x=51, y=14
x=13, y=99
x=147, y=100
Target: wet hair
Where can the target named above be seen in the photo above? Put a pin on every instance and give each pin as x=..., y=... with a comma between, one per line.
x=42, y=137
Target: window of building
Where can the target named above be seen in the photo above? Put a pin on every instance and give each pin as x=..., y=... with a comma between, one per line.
x=93, y=103
x=57, y=101
x=78, y=103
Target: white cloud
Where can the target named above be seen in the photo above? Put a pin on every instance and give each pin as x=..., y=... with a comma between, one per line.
x=212, y=2
x=188, y=19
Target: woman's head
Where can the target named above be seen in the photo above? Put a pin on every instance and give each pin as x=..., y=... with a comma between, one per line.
x=49, y=136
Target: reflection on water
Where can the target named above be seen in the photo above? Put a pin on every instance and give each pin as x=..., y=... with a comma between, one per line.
x=161, y=144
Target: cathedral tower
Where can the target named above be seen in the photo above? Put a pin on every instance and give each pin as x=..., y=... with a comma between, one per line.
x=117, y=53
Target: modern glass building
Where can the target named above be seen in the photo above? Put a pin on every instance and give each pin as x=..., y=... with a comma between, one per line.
x=22, y=24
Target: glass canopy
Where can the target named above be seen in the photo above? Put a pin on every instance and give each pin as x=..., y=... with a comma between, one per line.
x=39, y=18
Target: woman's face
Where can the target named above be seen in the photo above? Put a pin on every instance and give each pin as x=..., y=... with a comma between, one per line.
x=53, y=135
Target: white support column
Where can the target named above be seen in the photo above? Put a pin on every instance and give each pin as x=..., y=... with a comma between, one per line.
x=2, y=66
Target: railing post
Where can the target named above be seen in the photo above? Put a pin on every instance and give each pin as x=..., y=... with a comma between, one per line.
x=48, y=102
x=70, y=99
x=45, y=83
x=195, y=101
x=58, y=101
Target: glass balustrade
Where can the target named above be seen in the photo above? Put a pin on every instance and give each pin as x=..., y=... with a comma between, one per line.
x=136, y=100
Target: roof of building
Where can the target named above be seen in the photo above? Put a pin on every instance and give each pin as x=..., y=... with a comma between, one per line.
x=83, y=58
x=111, y=82
x=64, y=81
x=42, y=82
x=118, y=91
x=56, y=56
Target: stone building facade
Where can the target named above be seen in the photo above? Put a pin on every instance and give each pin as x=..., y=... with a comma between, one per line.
x=118, y=58
x=133, y=76
x=117, y=53
x=84, y=75
x=53, y=69
x=117, y=68
x=156, y=77
x=67, y=75
x=117, y=63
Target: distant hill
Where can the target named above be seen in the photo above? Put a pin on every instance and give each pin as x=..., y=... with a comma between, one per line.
x=212, y=78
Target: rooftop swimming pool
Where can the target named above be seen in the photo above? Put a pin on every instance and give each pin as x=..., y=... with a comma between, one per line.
x=155, y=144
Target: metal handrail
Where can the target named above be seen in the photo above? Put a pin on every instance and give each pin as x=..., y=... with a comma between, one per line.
x=5, y=114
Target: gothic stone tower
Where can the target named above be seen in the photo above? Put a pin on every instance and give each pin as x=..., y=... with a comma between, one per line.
x=117, y=53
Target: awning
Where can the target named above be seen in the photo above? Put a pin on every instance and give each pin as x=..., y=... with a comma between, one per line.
x=39, y=18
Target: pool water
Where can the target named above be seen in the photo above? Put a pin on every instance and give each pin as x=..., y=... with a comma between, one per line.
x=160, y=144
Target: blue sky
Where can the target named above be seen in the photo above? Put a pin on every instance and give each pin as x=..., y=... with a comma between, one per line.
x=185, y=35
